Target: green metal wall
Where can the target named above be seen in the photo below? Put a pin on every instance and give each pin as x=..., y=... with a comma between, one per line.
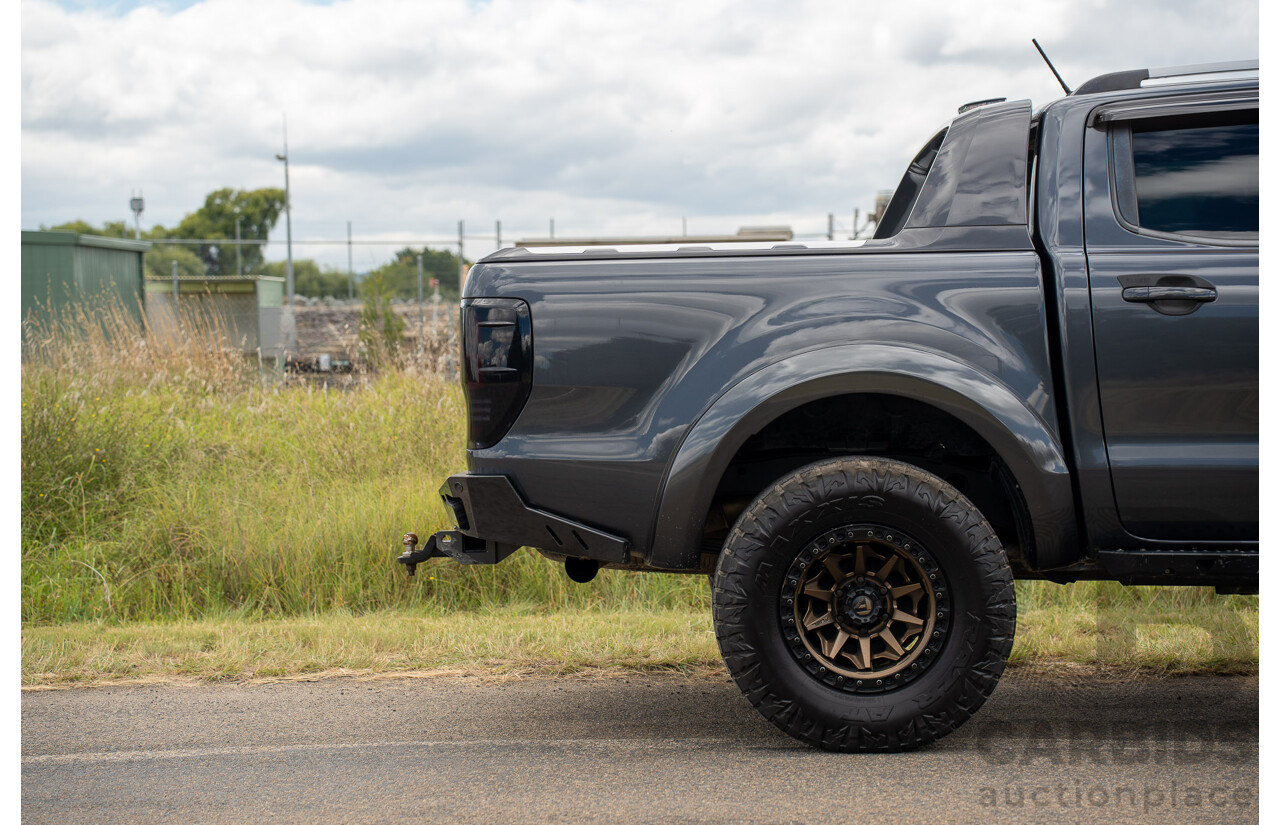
x=59, y=268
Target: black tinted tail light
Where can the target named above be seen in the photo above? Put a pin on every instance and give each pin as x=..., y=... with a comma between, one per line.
x=497, y=358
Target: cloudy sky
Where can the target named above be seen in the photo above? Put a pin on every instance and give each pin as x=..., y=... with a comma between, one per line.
x=406, y=116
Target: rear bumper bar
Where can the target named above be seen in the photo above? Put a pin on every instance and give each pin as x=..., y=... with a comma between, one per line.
x=493, y=521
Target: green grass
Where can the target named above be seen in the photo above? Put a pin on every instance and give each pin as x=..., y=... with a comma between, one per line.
x=496, y=641
x=183, y=513
x=1098, y=626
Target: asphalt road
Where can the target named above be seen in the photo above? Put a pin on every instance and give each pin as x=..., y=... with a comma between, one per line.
x=669, y=749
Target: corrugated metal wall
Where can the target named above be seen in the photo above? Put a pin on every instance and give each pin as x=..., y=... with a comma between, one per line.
x=110, y=274
x=59, y=268
x=48, y=277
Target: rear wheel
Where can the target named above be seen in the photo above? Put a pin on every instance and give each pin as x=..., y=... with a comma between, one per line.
x=862, y=604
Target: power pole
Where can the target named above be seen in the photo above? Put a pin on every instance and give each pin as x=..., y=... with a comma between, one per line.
x=421, y=320
x=497, y=233
x=553, y=229
x=288, y=323
x=288, y=214
x=239, y=264
x=461, y=265
x=831, y=226
x=351, y=275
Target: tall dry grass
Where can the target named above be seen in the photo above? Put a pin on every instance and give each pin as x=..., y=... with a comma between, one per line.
x=172, y=477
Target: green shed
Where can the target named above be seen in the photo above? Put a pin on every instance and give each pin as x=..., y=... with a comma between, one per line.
x=59, y=268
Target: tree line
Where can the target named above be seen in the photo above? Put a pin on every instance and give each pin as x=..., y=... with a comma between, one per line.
x=257, y=211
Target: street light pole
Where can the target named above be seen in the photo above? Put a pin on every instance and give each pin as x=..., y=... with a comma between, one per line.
x=288, y=323
x=288, y=215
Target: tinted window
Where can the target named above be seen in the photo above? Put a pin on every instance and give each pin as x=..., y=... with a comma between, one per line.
x=1198, y=176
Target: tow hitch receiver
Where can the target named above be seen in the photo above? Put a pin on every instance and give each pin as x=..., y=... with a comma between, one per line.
x=455, y=545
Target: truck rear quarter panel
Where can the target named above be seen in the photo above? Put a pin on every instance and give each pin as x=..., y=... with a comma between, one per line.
x=630, y=353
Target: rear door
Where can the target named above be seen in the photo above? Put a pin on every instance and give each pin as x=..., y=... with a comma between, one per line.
x=1171, y=230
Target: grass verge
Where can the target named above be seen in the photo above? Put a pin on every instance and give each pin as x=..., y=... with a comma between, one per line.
x=1180, y=632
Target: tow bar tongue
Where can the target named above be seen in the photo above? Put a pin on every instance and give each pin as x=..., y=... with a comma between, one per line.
x=451, y=544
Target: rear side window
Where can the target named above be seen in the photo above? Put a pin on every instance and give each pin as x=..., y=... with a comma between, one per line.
x=1190, y=175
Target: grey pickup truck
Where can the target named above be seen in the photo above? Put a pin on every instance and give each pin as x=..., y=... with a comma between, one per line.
x=1043, y=365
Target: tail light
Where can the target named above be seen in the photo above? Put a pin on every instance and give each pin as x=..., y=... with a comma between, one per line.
x=497, y=358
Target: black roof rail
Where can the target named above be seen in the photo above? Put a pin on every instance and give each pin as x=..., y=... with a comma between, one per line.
x=1119, y=81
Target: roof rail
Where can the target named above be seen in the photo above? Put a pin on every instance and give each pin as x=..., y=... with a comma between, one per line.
x=1119, y=81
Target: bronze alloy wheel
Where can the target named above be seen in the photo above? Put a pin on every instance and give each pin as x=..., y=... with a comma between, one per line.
x=864, y=608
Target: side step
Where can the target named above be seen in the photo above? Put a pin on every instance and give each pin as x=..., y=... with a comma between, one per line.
x=1231, y=571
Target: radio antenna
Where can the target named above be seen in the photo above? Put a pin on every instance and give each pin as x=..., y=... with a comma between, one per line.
x=1064, y=86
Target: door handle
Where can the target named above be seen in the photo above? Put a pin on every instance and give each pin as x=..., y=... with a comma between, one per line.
x=1150, y=294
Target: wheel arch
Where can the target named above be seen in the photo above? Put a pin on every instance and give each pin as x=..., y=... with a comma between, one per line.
x=1016, y=434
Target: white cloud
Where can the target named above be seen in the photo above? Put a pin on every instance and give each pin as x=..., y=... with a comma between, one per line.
x=611, y=117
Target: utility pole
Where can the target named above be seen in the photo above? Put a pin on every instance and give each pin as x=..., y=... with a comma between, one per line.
x=175, y=289
x=684, y=227
x=831, y=226
x=288, y=323
x=553, y=229
x=239, y=264
x=421, y=320
x=497, y=233
x=288, y=214
x=461, y=266
x=351, y=275
x=855, y=224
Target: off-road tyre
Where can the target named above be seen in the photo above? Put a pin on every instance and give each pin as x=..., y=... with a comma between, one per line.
x=949, y=547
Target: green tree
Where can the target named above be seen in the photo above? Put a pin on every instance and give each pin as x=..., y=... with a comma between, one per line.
x=311, y=279
x=257, y=210
x=158, y=262
x=110, y=229
x=381, y=329
x=401, y=273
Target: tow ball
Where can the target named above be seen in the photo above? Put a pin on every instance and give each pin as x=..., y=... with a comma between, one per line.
x=412, y=557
